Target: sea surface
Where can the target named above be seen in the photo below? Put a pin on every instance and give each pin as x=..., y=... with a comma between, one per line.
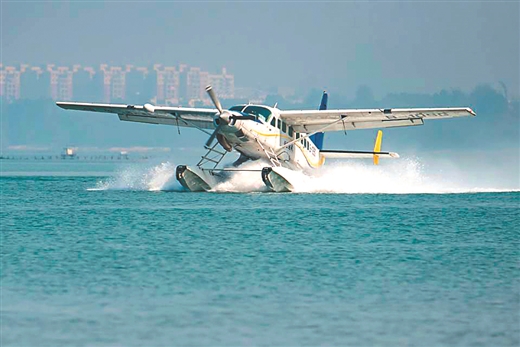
x=106, y=254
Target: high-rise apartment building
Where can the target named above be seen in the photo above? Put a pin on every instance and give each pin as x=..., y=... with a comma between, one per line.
x=224, y=84
x=193, y=84
x=114, y=82
x=9, y=82
x=61, y=82
x=168, y=84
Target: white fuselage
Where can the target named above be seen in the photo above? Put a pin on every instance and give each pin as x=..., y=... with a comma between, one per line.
x=264, y=137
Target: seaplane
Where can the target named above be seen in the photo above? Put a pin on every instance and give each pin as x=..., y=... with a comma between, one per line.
x=281, y=139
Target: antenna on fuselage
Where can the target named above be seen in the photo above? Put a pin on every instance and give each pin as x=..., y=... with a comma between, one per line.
x=275, y=104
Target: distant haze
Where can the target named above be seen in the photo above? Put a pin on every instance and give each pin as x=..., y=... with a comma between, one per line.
x=390, y=47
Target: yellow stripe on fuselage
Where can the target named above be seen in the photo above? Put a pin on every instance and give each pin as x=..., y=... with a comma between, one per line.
x=271, y=135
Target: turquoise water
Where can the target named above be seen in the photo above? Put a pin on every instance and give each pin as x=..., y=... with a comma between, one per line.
x=96, y=261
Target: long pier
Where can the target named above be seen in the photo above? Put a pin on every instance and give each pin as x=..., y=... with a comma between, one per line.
x=73, y=158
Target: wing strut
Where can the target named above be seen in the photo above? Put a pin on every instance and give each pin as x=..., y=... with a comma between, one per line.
x=308, y=135
x=190, y=123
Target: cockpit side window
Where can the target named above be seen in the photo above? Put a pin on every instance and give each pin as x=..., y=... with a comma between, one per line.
x=273, y=122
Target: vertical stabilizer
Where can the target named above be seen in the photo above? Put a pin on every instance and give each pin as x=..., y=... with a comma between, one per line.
x=317, y=138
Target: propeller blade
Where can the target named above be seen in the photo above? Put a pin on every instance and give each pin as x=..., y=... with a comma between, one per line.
x=214, y=98
x=212, y=136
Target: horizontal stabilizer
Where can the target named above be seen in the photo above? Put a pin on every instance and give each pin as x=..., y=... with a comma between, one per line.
x=331, y=154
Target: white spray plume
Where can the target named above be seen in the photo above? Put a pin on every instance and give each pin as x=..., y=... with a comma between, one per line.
x=156, y=178
x=404, y=176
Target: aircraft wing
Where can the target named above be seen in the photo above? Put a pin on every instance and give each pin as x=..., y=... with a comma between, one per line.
x=308, y=121
x=177, y=116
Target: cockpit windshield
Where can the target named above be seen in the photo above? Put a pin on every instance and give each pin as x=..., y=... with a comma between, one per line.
x=238, y=108
x=262, y=112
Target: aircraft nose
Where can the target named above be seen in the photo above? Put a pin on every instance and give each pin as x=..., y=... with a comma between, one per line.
x=225, y=116
x=222, y=118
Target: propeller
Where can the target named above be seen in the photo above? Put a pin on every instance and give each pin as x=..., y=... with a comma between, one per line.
x=225, y=117
x=222, y=120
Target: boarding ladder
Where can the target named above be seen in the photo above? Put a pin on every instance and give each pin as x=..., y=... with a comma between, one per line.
x=273, y=158
x=213, y=155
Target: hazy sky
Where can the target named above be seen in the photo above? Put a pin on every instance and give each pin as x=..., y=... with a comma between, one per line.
x=389, y=46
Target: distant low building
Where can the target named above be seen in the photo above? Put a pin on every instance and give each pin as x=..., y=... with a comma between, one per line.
x=68, y=153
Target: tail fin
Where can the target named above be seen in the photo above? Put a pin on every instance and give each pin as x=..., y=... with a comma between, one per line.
x=317, y=138
x=377, y=146
x=324, y=99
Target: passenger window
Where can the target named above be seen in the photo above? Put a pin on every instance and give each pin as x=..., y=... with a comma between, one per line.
x=297, y=135
x=284, y=127
x=290, y=131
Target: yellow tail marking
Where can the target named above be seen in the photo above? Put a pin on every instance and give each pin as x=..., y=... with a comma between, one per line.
x=377, y=146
